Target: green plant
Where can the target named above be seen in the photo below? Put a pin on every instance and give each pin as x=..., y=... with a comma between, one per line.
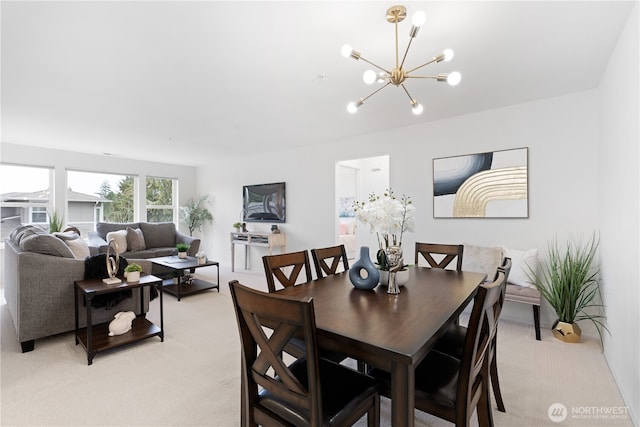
x=237, y=225
x=132, y=267
x=56, y=221
x=569, y=281
x=182, y=247
x=194, y=213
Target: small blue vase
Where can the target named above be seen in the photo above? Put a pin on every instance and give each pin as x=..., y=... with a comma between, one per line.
x=363, y=273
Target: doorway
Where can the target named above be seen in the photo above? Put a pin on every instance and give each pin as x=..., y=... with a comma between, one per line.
x=355, y=180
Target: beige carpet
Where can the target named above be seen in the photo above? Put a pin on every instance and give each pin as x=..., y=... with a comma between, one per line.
x=193, y=377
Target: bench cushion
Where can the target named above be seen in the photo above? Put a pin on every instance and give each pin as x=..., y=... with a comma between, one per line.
x=522, y=294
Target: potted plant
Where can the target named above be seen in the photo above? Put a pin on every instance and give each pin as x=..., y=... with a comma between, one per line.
x=195, y=214
x=569, y=280
x=55, y=221
x=132, y=272
x=237, y=226
x=182, y=250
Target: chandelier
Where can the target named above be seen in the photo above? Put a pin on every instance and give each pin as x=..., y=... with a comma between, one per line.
x=398, y=75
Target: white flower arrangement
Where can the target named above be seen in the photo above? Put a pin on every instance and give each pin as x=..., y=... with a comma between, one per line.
x=387, y=216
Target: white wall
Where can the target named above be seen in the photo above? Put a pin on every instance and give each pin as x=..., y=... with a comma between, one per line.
x=63, y=160
x=620, y=213
x=562, y=136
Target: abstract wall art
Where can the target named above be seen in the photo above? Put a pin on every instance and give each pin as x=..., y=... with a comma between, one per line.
x=482, y=185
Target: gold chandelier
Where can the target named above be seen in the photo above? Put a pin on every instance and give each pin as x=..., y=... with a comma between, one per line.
x=398, y=75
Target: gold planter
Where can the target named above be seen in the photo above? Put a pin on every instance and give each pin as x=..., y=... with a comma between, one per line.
x=567, y=332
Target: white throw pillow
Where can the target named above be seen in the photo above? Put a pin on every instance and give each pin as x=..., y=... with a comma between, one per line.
x=521, y=263
x=79, y=247
x=482, y=259
x=120, y=238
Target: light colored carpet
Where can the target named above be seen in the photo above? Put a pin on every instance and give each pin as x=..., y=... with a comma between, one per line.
x=193, y=377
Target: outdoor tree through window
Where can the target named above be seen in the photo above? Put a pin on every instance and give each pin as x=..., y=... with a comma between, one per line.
x=160, y=200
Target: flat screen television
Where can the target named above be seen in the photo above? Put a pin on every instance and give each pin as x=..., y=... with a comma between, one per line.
x=264, y=203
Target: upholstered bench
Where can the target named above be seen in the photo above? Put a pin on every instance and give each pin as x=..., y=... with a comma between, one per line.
x=519, y=287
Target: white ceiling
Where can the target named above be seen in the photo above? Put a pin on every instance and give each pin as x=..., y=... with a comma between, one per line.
x=140, y=79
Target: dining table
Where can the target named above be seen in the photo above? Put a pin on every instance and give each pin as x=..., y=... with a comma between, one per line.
x=390, y=332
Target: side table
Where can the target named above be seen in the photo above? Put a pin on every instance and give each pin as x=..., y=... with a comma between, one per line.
x=95, y=338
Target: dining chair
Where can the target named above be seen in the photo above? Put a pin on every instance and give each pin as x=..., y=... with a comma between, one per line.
x=452, y=342
x=335, y=254
x=452, y=388
x=311, y=391
x=275, y=266
x=439, y=255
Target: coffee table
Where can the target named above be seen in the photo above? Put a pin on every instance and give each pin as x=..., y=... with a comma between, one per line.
x=186, y=285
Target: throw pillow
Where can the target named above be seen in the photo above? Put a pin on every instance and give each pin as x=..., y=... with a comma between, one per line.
x=66, y=236
x=159, y=235
x=45, y=244
x=120, y=238
x=481, y=259
x=135, y=239
x=522, y=262
x=79, y=247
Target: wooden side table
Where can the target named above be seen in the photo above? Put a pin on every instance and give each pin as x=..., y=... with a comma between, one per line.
x=268, y=240
x=95, y=338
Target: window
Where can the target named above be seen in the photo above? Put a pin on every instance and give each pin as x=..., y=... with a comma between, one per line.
x=25, y=196
x=94, y=197
x=160, y=199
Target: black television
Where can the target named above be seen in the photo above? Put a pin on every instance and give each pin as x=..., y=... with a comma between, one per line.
x=264, y=203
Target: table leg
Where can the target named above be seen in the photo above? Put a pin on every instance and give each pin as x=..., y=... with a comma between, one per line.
x=90, y=352
x=246, y=257
x=402, y=395
x=233, y=257
x=75, y=304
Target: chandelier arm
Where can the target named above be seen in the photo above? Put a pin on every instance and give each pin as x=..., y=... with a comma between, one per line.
x=422, y=77
x=375, y=65
x=407, y=92
x=374, y=92
x=396, y=25
x=423, y=65
x=405, y=54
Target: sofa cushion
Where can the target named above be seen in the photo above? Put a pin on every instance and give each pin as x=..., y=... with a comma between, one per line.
x=102, y=228
x=481, y=259
x=120, y=237
x=135, y=239
x=45, y=244
x=79, y=247
x=159, y=235
x=523, y=262
x=66, y=236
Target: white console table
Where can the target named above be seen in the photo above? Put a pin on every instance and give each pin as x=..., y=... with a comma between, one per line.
x=269, y=240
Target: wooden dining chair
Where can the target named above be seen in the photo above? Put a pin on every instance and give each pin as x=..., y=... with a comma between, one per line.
x=311, y=391
x=336, y=255
x=276, y=266
x=439, y=255
x=452, y=388
x=452, y=342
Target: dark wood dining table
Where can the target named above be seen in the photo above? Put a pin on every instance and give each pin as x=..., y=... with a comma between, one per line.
x=391, y=332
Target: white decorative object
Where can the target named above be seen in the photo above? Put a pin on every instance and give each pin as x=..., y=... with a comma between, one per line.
x=132, y=276
x=121, y=323
x=523, y=263
x=112, y=264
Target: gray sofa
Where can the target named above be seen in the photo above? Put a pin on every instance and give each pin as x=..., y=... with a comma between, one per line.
x=159, y=239
x=38, y=278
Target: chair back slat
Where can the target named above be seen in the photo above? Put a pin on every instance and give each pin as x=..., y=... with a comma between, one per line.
x=286, y=268
x=336, y=255
x=439, y=255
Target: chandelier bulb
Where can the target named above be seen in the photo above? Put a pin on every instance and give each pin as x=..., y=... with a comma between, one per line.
x=352, y=107
x=448, y=54
x=346, y=50
x=454, y=78
x=418, y=19
x=416, y=108
x=369, y=77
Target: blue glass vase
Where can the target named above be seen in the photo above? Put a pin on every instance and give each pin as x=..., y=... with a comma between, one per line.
x=363, y=273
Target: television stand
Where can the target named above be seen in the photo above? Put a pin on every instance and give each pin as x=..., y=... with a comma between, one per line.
x=268, y=240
